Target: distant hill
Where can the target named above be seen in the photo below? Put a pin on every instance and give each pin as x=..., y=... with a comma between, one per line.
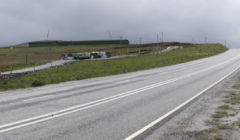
x=26, y=44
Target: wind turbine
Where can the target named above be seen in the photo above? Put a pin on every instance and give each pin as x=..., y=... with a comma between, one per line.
x=47, y=34
x=110, y=35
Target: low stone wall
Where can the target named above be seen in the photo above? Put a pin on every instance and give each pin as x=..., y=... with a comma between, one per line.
x=16, y=75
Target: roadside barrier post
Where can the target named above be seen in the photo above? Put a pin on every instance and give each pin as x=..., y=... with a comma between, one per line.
x=0, y=74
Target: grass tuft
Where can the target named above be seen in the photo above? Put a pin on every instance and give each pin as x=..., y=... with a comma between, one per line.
x=236, y=86
x=218, y=137
x=232, y=114
x=224, y=107
x=233, y=93
x=224, y=126
x=211, y=130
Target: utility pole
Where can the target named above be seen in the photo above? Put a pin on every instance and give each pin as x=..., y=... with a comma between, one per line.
x=160, y=45
x=225, y=44
x=26, y=55
x=162, y=36
x=121, y=44
x=140, y=41
x=49, y=55
x=72, y=47
x=50, y=58
x=136, y=47
x=205, y=40
x=192, y=40
x=157, y=42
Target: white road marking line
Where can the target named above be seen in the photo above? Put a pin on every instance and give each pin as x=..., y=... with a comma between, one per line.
x=97, y=102
x=123, y=81
x=133, y=136
x=36, y=98
x=187, y=65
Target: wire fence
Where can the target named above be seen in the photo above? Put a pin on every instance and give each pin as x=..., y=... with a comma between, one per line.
x=20, y=56
x=91, y=69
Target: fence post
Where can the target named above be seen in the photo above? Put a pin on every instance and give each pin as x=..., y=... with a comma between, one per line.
x=11, y=69
x=49, y=55
x=0, y=74
x=26, y=55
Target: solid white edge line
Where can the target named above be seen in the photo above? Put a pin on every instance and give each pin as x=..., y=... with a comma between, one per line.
x=175, y=109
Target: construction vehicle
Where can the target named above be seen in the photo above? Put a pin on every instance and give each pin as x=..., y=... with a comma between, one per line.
x=80, y=56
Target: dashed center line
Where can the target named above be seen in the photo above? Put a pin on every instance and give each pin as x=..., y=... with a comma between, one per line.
x=123, y=81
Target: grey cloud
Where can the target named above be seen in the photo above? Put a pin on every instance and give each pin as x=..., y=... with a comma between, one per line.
x=29, y=20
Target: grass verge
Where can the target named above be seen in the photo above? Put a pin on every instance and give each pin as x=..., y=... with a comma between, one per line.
x=90, y=69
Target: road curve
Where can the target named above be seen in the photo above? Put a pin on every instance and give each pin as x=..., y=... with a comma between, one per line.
x=112, y=107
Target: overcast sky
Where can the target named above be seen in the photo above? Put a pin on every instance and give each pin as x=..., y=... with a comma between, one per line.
x=180, y=20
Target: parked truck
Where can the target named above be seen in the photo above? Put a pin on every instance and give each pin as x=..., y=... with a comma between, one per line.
x=80, y=56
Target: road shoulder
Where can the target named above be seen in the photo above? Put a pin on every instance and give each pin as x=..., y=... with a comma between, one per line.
x=213, y=116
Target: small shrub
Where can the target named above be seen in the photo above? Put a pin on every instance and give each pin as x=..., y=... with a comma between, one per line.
x=233, y=94
x=226, y=101
x=224, y=113
x=218, y=137
x=236, y=86
x=211, y=130
x=227, y=96
x=37, y=83
x=218, y=115
x=223, y=127
x=224, y=107
x=212, y=122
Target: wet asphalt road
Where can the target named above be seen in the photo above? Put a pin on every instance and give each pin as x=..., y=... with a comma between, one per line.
x=107, y=108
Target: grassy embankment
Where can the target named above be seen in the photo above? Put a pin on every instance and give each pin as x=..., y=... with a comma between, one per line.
x=16, y=57
x=89, y=69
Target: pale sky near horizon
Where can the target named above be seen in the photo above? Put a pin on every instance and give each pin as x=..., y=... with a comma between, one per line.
x=180, y=20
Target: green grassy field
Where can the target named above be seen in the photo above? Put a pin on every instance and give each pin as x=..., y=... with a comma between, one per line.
x=16, y=57
x=89, y=69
